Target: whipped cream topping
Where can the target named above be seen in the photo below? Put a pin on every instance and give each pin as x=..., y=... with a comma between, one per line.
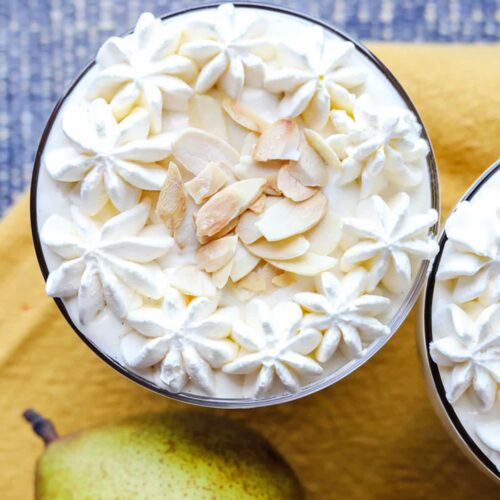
x=472, y=253
x=466, y=315
x=144, y=69
x=388, y=237
x=275, y=346
x=233, y=53
x=235, y=202
x=111, y=265
x=378, y=141
x=472, y=349
x=345, y=312
x=186, y=340
x=110, y=160
x=488, y=434
x=323, y=81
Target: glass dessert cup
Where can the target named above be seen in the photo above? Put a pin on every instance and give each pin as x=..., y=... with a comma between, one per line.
x=424, y=336
x=396, y=320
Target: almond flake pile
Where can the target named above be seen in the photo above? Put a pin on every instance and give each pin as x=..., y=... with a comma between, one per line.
x=266, y=182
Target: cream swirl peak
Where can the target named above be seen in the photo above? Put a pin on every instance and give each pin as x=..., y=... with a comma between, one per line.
x=235, y=202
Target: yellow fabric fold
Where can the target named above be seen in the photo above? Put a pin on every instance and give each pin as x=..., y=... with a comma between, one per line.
x=373, y=435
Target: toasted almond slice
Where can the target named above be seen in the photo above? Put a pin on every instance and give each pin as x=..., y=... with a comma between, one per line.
x=216, y=254
x=246, y=228
x=221, y=276
x=206, y=113
x=243, y=263
x=171, y=206
x=247, y=168
x=206, y=183
x=288, y=218
x=309, y=264
x=271, y=185
x=192, y=281
x=225, y=230
x=195, y=149
x=280, y=250
x=322, y=148
x=325, y=236
x=226, y=205
x=310, y=169
x=284, y=279
x=291, y=187
x=243, y=116
x=280, y=141
x=258, y=205
x=269, y=272
x=254, y=282
x=185, y=234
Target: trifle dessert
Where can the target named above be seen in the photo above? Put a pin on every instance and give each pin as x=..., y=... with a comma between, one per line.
x=465, y=306
x=235, y=203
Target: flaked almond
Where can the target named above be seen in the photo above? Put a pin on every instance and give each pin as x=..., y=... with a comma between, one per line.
x=280, y=141
x=269, y=272
x=185, y=234
x=243, y=263
x=280, y=250
x=195, y=149
x=216, y=254
x=291, y=187
x=287, y=218
x=284, y=279
x=258, y=205
x=225, y=230
x=243, y=116
x=271, y=185
x=325, y=236
x=255, y=282
x=192, y=281
x=247, y=229
x=247, y=168
x=310, y=169
x=221, y=276
x=309, y=264
x=206, y=113
x=321, y=147
x=206, y=183
x=225, y=206
x=171, y=206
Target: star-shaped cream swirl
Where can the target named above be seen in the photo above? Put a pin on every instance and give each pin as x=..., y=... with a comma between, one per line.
x=472, y=253
x=345, y=313
x=387, y=236
x=234, y=57
x=112, y=264
x=110, y=160
x=471, y=348
x=143, y=69
x=274, y=345
x=187, y=339
x=326, y=81
x=382, y=146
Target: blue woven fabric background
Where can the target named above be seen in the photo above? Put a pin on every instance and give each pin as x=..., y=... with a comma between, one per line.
x=44, y=44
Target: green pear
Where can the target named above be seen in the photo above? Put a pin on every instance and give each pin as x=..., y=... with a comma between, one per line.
x=178, y=455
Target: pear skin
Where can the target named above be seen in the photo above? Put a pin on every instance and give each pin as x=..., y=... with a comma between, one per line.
x=178, y=455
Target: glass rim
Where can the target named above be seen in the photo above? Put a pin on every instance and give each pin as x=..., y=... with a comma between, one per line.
x=323, y=382
x=427, y=334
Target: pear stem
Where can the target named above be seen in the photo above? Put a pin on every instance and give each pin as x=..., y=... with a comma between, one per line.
x=42, y=426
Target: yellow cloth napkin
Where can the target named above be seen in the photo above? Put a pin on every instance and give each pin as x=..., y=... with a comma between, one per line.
x=373, y=435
